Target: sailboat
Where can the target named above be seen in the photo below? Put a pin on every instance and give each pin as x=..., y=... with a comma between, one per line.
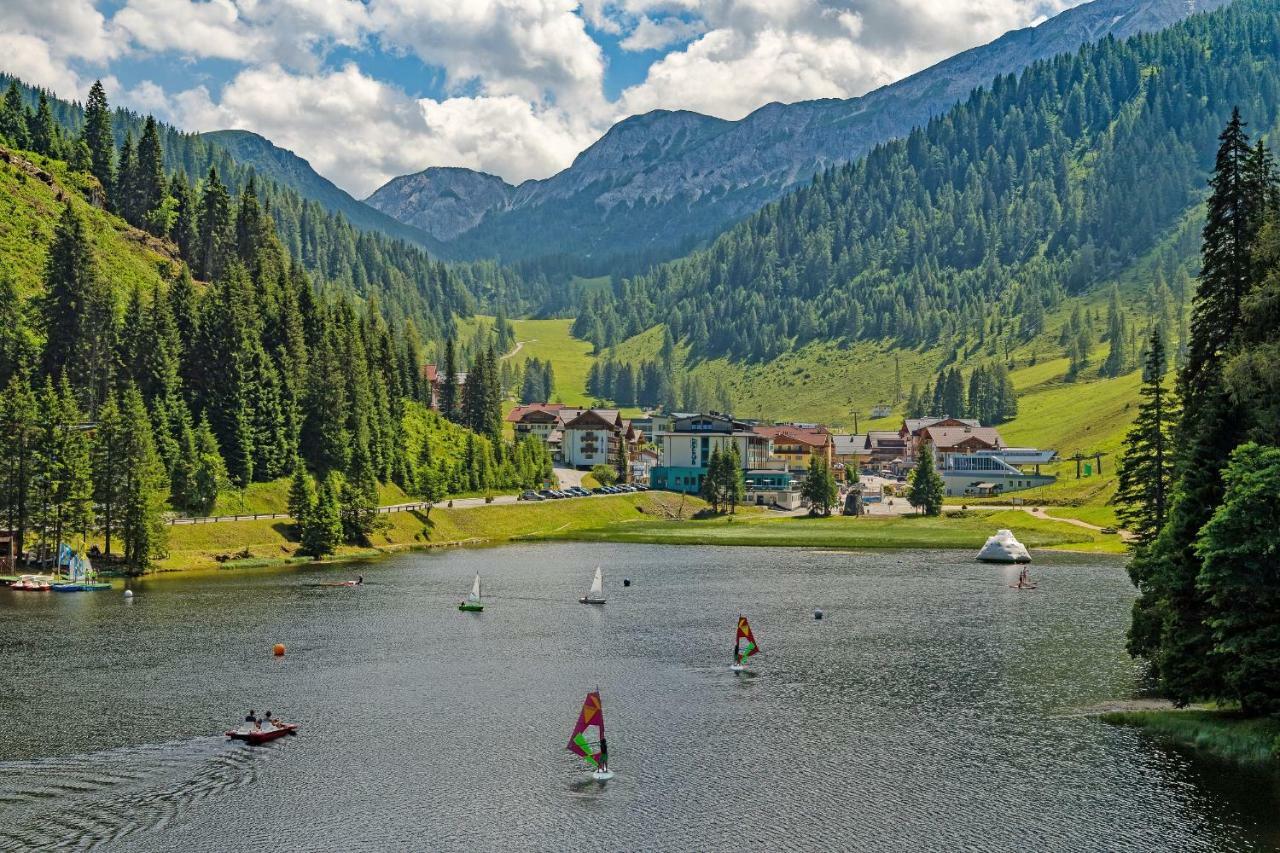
x=595, y=754
x=473, y=603
x=595, y=595
x=744, y=645
x=83, y=577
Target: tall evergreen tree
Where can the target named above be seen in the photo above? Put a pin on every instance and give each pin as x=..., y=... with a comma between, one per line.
x=151, y=190
x=144, y=488
x=322, y=529
x=13, y=118
x=215, y=239
x=1146, y=466
x=449, y=403
x=99, y=138
x=927, y=489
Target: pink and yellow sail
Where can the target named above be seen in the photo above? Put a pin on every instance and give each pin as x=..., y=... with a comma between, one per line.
x=744, y=644
x=592, y=715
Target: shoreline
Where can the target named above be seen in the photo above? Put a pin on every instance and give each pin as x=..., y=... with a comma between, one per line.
x=1221, y=732
x=641, y=518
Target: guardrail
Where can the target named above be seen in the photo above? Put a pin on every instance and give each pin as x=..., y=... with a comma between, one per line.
x=270, y=516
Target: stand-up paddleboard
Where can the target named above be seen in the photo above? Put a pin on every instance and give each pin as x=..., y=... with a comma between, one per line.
x=595, y=753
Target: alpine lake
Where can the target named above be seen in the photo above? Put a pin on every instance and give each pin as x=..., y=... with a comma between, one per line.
x=933, y=708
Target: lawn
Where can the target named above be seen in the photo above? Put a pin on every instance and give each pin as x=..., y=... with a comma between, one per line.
x=968, y=530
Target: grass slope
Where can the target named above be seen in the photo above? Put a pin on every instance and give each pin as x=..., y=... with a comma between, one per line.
x=33, y=192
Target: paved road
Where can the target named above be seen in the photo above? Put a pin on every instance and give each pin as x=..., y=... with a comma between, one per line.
x=570, y=476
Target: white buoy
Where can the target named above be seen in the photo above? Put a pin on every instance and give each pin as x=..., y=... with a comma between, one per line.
x=128, y=593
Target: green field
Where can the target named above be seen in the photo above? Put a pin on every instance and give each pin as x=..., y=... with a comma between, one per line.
x=969, y=530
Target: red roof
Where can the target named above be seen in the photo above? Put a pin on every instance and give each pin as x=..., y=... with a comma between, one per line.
x=429, y=373
x=945, y=437
x=811, y=436
x=519, y=412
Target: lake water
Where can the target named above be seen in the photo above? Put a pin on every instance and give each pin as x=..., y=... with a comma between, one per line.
x=934, y=708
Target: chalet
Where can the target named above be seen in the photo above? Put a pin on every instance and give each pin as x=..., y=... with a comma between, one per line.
x=540, y=419
x=850, y=452
x=796, y=444
x=885, y=447
x=435, y=379
x=593, y=437
x=960, y=439
x=913, y=428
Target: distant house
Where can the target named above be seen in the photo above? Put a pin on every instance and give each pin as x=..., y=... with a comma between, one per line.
x=948, y=439
x=885, y=447
x=913, y=428
x=579, y=438
x=796, y=444
x=850, y=452
x=436, y=380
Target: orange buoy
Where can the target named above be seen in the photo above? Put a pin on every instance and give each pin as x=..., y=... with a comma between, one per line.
x=279, y=650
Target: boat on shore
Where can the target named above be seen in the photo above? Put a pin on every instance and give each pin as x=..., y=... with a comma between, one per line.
x=254, y=735
x=474, y=602
x=595, y=595
x=1003, y=547
x=32, y=583
x=744, y=645
x=595, y=753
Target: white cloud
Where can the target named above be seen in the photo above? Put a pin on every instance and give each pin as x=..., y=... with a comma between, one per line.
x=361, y=132
x=651, y=34
x=40, y=40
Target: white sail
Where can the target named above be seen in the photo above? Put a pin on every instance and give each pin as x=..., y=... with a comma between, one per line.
x=597, y=584
x=475, y=589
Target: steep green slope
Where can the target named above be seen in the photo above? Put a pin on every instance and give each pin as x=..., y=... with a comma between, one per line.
x=982, y=223
x=33, y=190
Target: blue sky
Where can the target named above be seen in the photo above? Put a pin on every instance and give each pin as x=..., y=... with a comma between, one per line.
x=369, y=89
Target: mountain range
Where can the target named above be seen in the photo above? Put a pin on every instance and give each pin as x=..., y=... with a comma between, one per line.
x=655, y=182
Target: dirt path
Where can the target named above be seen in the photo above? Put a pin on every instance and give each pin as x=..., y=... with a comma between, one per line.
x=519, y=346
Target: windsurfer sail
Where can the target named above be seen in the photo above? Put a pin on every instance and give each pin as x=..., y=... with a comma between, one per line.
x=744, y=644
x=596, y=753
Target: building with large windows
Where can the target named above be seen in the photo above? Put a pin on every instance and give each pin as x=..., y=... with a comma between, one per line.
x=687, y=447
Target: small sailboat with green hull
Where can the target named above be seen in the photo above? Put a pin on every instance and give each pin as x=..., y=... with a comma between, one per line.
x=595, y=753
x=474, y=602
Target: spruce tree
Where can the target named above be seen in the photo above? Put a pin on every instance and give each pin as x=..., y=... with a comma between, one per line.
x=99, y=138
x=13, y=119
x=108, y=461
x=1146, y=469
x=302, y=495
x=1241, y=579
x=45, y=138
x=19, y=424
x=144, y=488
x=322, y=530
x=155, y=211
x=449, y=402
x=214, y=236
x=927, y=489
x=359, y=498
x=1117, y=356
x=78, y=313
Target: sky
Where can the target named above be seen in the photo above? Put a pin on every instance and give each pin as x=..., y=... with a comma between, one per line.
x=370, y=89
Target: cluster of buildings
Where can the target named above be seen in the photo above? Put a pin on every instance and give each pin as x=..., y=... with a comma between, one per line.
x=673, y=451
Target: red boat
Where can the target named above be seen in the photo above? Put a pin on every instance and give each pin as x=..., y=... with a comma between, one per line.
x=257, y=736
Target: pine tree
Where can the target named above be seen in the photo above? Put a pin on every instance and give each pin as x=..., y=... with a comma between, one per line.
x=734, y=486
x=45, y=138
x=155, y=210
x=449, y=403
x=1146, y=467
x=13, y=119
x=124, y=195
x=99, y=138
x=927, y=488
x=1117, y=356
x=19, y=423
x=78, y=314
x=214, y=235
x=322, y=530
x=819, y=487
x=302, y=495
x=712, y=481
x=359, y=498
x=209, y=475
x=1241, y=579
x=144, y=488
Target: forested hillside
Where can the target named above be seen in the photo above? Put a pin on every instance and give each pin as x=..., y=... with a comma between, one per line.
x=980, y=224
x=160, y=346
x=339, y=256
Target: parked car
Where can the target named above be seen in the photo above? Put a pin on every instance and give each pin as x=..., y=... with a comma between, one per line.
x=546, y=494
x=599, y=490
x=579, y=491
x=530, y=496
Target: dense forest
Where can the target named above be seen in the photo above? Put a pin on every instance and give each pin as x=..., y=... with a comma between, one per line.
x=1200, y=476
x=336, y=255
x=116, y=406
x=979, y=224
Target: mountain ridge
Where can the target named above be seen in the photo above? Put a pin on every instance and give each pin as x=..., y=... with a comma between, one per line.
x=692, y=175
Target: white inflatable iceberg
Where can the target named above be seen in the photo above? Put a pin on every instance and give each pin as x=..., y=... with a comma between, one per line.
x=1003, y=548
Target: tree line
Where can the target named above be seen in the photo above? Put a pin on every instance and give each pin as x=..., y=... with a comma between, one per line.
x=1200, y=474
x=990, y=397
x=973, y=228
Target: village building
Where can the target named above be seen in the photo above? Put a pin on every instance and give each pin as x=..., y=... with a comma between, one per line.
x=578, y=438
x=686, y=450
x=850, y=453
x=435, y=379
x=8, y=550
x=886, y=449
x=796, y=444
x=913, y=428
